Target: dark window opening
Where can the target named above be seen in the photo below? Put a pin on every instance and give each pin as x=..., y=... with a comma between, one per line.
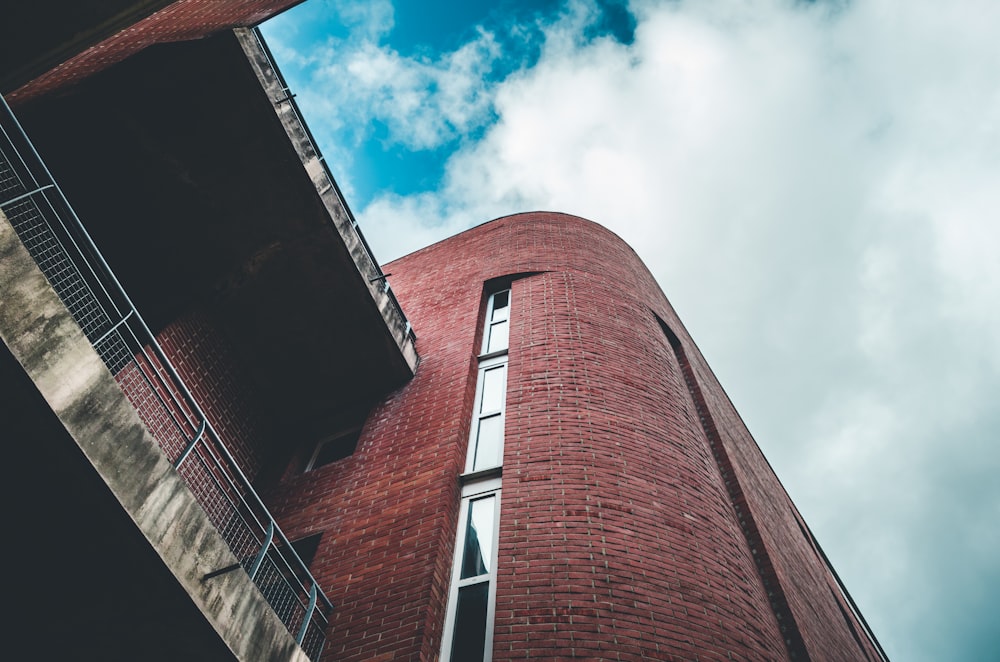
x=334, y=448
x=470, y=623
x=306, y=548
x=500, y=301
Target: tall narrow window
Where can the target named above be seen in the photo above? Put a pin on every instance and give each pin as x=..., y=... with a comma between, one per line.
x=486, y=439
x=468, y=633
x=486, y=435
x=468, y=630
x=497, y=331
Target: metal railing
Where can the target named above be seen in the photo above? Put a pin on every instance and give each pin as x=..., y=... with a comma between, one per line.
x=54, y=236
x=287, y=97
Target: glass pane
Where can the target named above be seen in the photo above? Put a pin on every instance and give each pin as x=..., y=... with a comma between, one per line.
x=498, y=337
x=336, y=449
x=478, y=538
x=488, y=443
x=493, y=382
x=469, y=640
x=501, y=307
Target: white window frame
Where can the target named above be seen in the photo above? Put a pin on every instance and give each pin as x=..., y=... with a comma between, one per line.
x=472, y=492
x=485, y=365
x=488, y=323
x=480, y=484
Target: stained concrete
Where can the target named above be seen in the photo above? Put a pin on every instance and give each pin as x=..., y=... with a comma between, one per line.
x=203, y=192
x=121, y=477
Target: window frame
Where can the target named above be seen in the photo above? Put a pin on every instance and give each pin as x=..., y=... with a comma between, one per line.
x=481, y=489
x=483, y=482
x=487, y=365
x=354, y=431
x=488, y=323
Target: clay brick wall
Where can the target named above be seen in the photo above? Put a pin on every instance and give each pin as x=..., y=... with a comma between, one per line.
x=388, y=513
x=825, y=623
x=615, y=539
x=179, y=21
x=204, y=361
x=618, y=534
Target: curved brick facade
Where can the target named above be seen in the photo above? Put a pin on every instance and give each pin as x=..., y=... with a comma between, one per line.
x=638, y=518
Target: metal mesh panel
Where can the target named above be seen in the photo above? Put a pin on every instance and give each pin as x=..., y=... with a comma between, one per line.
x=10, y=183
x=315, y=637
x=150, y=383
x=115, y=352
x=244, y=536
x=30, y=224
x=282, y=597
x=151, y=409
x=212, y=496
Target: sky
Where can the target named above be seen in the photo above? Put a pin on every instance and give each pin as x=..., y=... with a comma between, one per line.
x=815, y=186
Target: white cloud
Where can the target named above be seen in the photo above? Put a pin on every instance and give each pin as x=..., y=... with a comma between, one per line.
x=370, y=20
x=815, y=187
x=423, y=102
x=358, y=80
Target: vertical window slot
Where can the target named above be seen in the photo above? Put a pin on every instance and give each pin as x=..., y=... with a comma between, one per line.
x=468, y=626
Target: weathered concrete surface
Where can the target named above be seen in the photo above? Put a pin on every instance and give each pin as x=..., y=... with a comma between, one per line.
x=231, y=213
x=69, y=375
x=340, y=216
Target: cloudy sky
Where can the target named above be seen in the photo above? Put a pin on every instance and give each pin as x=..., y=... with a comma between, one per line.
x=815, y=185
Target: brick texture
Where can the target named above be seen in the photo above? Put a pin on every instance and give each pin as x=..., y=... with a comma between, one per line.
x=179, y=21
x=627, y=486
x=802, y=587
x=205, y=362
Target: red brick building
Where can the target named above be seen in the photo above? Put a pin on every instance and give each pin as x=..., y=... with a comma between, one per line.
x=637, y=519
x=273, y=461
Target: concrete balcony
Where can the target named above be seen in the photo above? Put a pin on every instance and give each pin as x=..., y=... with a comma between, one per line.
x=116, y=558
x=204, y=191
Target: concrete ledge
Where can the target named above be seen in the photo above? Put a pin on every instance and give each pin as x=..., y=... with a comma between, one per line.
x=340, y=216
x=46, y=341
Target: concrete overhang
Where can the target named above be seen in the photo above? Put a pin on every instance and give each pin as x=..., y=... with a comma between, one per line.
x=114, y=559
x=193, y=172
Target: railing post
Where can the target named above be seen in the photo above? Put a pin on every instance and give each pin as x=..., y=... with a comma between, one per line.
x=191, y=445
x=263, y=551
x=102, y=288
x=26, y=195
x=115, y=327
x=308, y=617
